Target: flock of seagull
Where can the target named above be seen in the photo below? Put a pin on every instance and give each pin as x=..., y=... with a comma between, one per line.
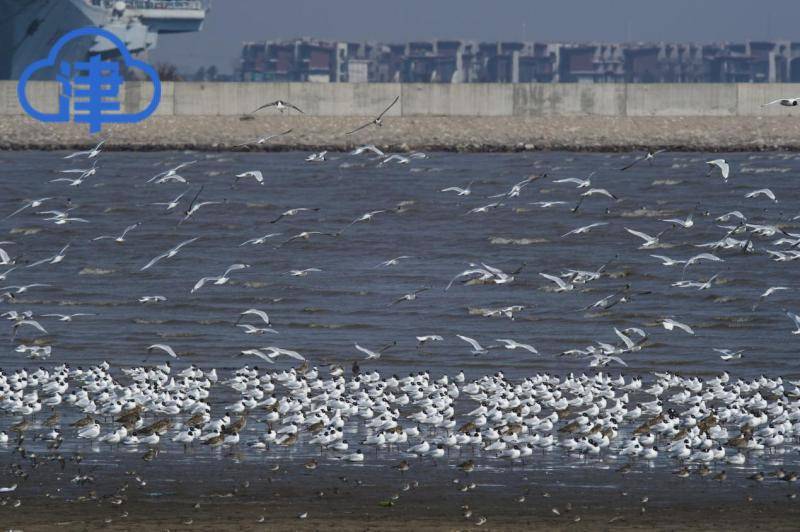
x=352, y=414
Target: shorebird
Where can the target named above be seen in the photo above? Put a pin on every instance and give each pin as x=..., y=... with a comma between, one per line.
x=562, y=285
x=686, y=224
x=649, y=241
x=729, y=354
x=393, y=262
x=648, y=157
x=66, y=317
x=169, y=254
x=377, y=121
x=786, y=102
x=280, y=105
x=317, y=157
x=120, y=239
x=593, y=192
x=722, y=165
x=89, y=154
x=263, y=140
x=768, y=292
x=795, y=319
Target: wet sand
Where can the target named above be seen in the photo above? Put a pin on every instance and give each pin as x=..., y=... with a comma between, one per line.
x=578, y=133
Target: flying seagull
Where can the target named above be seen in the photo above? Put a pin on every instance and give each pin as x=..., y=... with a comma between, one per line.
x=280, y=105
x=723, y=166
x=649, y=157
x=786, y=102
x=263, y=140
x=378, y=121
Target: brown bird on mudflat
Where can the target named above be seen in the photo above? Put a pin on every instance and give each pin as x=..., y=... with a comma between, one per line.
x=467, y=467
x=53, y=420
x=235, y=427
x=83, y=422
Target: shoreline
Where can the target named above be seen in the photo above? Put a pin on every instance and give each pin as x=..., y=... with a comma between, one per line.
x=405, y=134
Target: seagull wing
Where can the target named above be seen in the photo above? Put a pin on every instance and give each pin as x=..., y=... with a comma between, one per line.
x=390, y=106
x=359, y=128
x=163, y=347
x=471, y=341
x=154, y=261
x=644, y=236
x=368, y=352
x=560, y=282
x=271, y=104
x=255, y=312
x=635, y=162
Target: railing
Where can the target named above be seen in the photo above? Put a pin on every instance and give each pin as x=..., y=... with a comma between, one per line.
x=153, y=4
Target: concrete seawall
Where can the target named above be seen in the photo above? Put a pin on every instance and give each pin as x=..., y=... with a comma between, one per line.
x=474, y=117
x=518, y=100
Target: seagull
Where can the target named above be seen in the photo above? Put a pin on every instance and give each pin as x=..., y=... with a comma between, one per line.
x=162, y=347
x=513, y=344
x=171, y=174
x=466, y=191
x=3, y=258
x=152, y=299
x=121, y=238
x=89, y=154
x=366, y=217
x=55, y=259
x=796, y=319
x=66, y=317
x=562, y=286
x=723, y=166
x=686, y=224
x=169, y=254
x=584, y=229
x=374, y=355
x=517, y=188
x=410, y=296
x=368, y=148
x=378, y=121
x=221, y=280
x=548, y=204
x=30, y=323
x=250, y=329
x=393, y=262
x=701, y=256
x=762, y=192
x=194, y=206
x=73, y=182
x=486, y=208
x=254, y=312
x=263, y=140
x=260, y=240
x=174, y=203
x=649, y=157
x=594, y=192
x=278, y=351
x=402, y=159
x=31, y=204
x=303, y=273
x=477, y=349
x=421, y=340
x=666, y=261
x=649, y=241
x=729, y=354
x=255, y=174
x=768, y=292
x=670, y=324
x=6, y=260
x=305, y=235
x=317, y=157
x=581, y=183
x=280, y=105
x=294, y=212
x=786, y=102
x=21, y=289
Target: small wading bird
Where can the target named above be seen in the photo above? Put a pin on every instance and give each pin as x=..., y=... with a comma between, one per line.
x=377, y=121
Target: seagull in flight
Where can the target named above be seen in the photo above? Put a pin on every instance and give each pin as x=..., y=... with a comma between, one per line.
x=377, y=121
x=280, y=105
x=410, y=296
x=174, y=203
x=581, y=183
x=317, y=157
x=66, y=317
x=666, y=261
x=670, y=324
x=169, y=254
x=368, y=148
x=594, y=192
x=720, y=164
x=121, y=238
x=477, y=348
x=275, y=352
x=89, y=154
x=393, y=262
x=548, y=204
x=194, y=206
x=171, y=174
x=584, y=229
x=562, y=285
x=729, y=354
x=294, y=212
x=466, y=191
x=768, y=292
x=254, y=312
x=31, y=204
x=305, y=235
x=162, y=347
x=762, y=192
x=255, y=174
x=21, y=289
x=786, y=102
x=649, y=241
x=303, y=273
x=513, y=344
x=485, y=208
x=260, y=240
x=374, y=355
x=648, y=157
x=55, y=259
x=421, y=340
x=263, y=140
x=222, y=279
x=251, y=329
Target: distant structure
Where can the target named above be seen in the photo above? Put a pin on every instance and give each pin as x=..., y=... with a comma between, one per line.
x=457, y=61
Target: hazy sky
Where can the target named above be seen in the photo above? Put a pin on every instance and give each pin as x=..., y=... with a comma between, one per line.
x=233, y=21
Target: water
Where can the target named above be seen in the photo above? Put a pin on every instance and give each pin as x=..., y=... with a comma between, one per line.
x=323, y=314
x=350, y=301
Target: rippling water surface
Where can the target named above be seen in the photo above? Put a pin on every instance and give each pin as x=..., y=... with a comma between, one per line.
x=323, y=314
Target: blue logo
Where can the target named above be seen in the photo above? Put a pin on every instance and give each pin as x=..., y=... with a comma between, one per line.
x=89, y=90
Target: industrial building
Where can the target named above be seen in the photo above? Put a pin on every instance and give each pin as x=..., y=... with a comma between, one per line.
x=458, y=61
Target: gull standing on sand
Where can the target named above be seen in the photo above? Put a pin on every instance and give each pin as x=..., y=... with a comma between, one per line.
x=377, y=121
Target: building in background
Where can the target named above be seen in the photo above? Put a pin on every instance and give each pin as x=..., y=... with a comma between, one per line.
x=460, y=61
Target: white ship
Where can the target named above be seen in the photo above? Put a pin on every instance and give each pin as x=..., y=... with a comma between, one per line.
x=29, y=28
